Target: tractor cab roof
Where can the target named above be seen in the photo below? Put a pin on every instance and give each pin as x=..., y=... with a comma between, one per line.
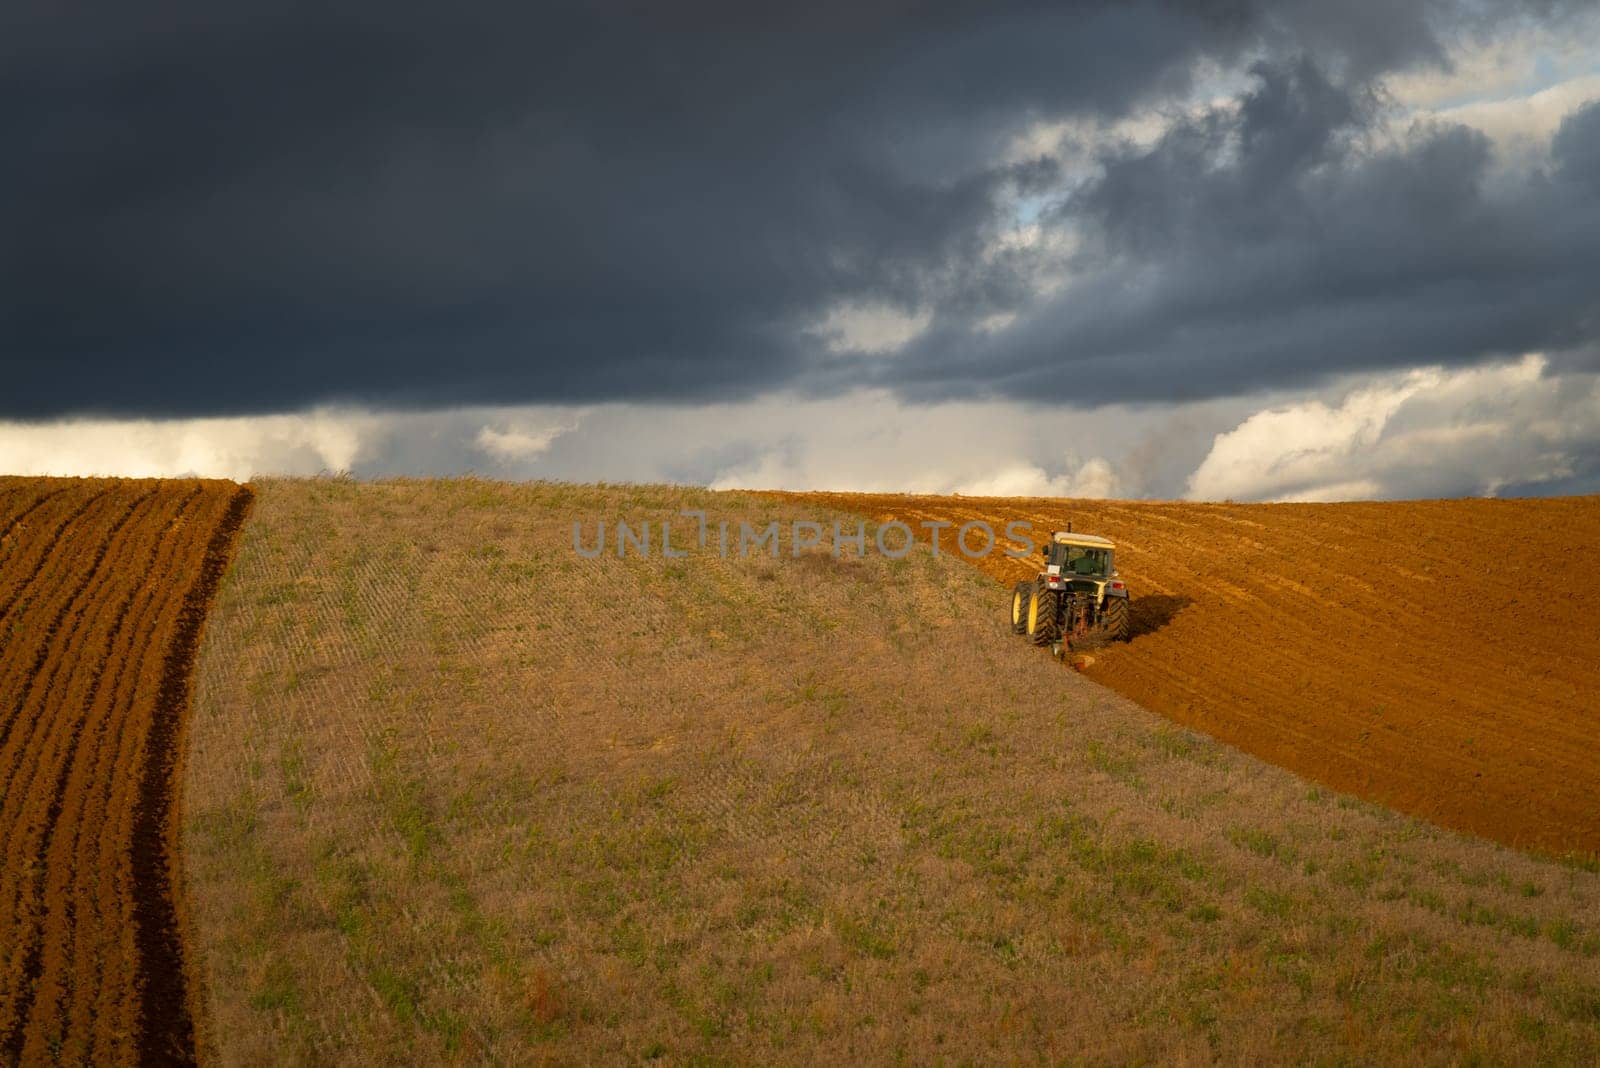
x=1083, y=541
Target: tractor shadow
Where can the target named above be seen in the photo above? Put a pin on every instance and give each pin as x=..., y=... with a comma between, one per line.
x=1150, y=614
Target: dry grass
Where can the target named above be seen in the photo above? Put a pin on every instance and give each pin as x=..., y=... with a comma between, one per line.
x=455, y=793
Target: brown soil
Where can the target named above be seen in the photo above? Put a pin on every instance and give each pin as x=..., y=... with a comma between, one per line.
x=103, y=588
x=1441, y=657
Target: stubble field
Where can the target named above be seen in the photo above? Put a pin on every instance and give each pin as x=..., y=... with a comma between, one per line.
x=103, y=588
x=1440, y=657
x=455, y=793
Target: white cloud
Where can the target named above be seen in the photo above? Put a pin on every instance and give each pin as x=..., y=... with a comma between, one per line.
x=1364, y=489
x=1287, y=451
x=871, y=442
x=1424, y=433
x=307, y=443
x=520, y=442
x=1521, y=127
x=1514, y=87
x=1075, y=142
x=1093, y=478
x=1504, y=66
x=871, y=328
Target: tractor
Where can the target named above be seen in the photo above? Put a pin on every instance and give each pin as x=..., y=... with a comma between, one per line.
x=1076, y=598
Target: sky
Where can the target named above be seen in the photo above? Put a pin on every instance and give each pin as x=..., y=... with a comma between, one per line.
x=1215, y=250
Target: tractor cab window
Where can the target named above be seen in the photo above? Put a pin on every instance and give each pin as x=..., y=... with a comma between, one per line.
x=1074, y=560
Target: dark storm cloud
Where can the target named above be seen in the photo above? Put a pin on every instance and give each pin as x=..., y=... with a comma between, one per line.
x=1273, y=243
x=235, y=209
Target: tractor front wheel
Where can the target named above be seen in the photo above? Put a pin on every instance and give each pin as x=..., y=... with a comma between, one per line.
x=1019, y=607
x=1044, y=615
x=1119, y=621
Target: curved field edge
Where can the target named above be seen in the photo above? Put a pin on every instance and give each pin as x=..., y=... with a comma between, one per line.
x=455, y=791
x=1439, y=657
x=104, y=584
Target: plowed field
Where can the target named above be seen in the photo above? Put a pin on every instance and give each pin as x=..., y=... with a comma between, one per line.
x=1441, y=657
x=103, y=588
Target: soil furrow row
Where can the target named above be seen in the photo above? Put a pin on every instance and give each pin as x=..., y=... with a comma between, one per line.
x=127, y=573
x=83, y=941
x=29, y=566
x=43, y=717
x=166, y=1027
x=104, y=586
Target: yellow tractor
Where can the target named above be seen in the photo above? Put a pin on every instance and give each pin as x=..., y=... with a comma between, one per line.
x=1077, y=596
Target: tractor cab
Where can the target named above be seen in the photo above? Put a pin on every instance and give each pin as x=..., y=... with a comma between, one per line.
x=1081, y=562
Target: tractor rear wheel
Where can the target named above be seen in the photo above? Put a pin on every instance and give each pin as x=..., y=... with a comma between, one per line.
x=1044, y=611
x=1119, y=621
x=1019, y=607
